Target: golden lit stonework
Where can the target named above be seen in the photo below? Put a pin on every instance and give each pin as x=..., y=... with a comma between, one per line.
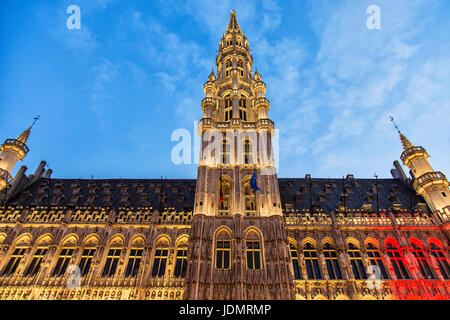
x=237, y=232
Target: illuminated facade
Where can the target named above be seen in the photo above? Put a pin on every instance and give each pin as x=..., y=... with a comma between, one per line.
x=219, y=237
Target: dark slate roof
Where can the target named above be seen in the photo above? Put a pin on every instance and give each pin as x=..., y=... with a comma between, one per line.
x=327, y=194
x=179, y=194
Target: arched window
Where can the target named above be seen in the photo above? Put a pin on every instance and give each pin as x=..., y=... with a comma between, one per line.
x=331, y=260
x=248, y=152
x=240, y=65
x=63, y=262
x=228, y=109
x=250, y=199
x=112, y=260
x=376, y=260
x=14, y=260
x=181, y=262
x=243, y=108
x=441, y=260
x=295, y=262
x=35, y=264
x=226, y=151
x=223, y=251
x=396, y=259
x=421, y=258
x=160, y=259
x=253, y=251
x=356, y=262
x=312, y=262
x=224, y=196
x=86, y=260
x=134, y=261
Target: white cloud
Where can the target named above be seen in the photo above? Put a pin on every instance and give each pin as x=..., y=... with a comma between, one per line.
x=359, y=78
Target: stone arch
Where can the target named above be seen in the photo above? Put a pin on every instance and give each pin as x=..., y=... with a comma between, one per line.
x=436, y=242
x=373, y=241
x=248, y=233
x=353, y=241
x=44, y=239
x=310, y=240
x=138, y=239
x=414, y=240
x=342, y=297
x=392, y=241
x=70, y=239
x=328, y=240
x=222, y=230
x=320, y=297
x=182, y=240
x=163, y=240
x=293, y=242
x=91, y=239
x=24, y=238
x=117, y=240
x=299, y=297
x=369, y=297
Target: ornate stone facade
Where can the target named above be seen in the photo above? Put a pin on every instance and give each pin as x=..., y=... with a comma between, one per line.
x=237, y=231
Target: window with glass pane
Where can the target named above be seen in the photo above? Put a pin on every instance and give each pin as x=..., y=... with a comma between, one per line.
x=331, y=260
x=226, y=149
x=181, y=263
x=356, y=262
x=441, y=260
x=376, y=260
x=63, y=262
x=311, y=262
x=396, y=259
x=86, y=260
x=223, y=254
x=112, y=260
x=228, y=109
x=134, y=261
x=295, y=263
x=159, y=262
x=13, y=263
x=421, y=258
x=35, y=264
x=248, y=152
x=253, y=255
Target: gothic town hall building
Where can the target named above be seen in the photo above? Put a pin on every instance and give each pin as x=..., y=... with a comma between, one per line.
x=225, y=235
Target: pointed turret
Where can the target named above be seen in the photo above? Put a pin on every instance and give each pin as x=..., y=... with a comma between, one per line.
x=13, y=150
x=430, y=184
x=24, y=136
x=405, y=142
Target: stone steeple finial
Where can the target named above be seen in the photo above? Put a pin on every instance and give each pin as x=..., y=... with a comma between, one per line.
x=233, y=25
x=405, y=142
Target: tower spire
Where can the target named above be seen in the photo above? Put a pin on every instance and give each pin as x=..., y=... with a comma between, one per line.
x=233, y=25
x=405, y=142
x=23, y=137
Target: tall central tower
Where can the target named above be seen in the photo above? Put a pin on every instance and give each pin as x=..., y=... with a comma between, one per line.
x=238, y=244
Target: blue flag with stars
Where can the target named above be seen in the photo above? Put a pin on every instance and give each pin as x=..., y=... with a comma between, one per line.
x=253, y=184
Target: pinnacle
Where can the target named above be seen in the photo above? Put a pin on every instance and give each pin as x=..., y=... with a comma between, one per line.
x=24, y=136
x=233, y=25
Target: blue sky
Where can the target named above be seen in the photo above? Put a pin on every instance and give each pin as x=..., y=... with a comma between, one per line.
x=111, y=94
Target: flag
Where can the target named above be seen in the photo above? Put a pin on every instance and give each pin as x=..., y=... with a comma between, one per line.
x=253, y=184
x=220, y=189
